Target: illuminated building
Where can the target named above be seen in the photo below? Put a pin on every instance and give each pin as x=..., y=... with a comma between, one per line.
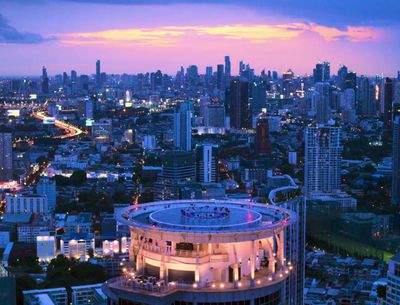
x=6, y=156
x=77, y=245
x=45, y=247
x=206, y=163
x=262, y=141
x=322, y=159
x=206, y=252
x=240, y=113
x=183, y=126
x=25, y=204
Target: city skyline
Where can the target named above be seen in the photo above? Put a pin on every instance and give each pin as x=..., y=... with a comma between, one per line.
x=141, y=36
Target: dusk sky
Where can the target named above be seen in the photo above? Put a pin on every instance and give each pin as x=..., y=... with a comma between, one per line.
x=141, y=36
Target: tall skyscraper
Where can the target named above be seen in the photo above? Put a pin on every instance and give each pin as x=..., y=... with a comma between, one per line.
x=6, y=156
x=262, y=141
x=183, y=126
x=47, y=187
x=342, y=73
x=366, y=105
x=322, y=72
x=321, y=99
x=98, y=73
x=351, y=81
x=396, y=162
x=386, y=101
x=220, y=77
x=227, y=65
x=206, y=163
x=323, y=155
x=240, y=112
x=45, y=81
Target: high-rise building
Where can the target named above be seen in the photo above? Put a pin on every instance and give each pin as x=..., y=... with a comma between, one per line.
x=322, y=159
x=7, y=287
x=6, y=154
x=220, y=77
x=45, y=81
x=321, y=99
x=227, y=65
x=393, y=276
x=47, y=188
x=214, y=115
x=206, y=163
x=183, y=126
x=386, y=101
x=258, y=96
x=366, y=105
x=342, y=73
x=351, y=80
x=240, y=112
x=98, y=73
x=322, y=72
x=26, y=204
x=396, y=162
x=262, y=141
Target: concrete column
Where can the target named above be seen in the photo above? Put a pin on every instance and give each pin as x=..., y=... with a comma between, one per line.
x=197, y=271
x=235, y=275
x=252, y=264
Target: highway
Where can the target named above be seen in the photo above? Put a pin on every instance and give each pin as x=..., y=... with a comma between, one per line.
x=70, y=130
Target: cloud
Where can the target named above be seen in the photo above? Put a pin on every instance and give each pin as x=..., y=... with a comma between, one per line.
x=10, y=35
x=164, y=36
x=337, y=13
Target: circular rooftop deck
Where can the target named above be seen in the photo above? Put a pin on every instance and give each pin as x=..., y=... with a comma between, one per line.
x=206, y=217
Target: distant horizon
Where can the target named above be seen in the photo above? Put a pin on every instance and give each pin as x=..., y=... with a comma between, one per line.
x=131, y=36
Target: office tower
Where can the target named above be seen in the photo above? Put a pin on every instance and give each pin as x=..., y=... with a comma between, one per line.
x=7, y=287
x=98, y=74
x=212, y=255
x=393, y=276
x=45, y=81
x=47, y=188
x=192, y=75
x=366, y=105
x=396, y=162
x=215, y=115
x=204, y=100
x=386, y=101
x=262, y=141
x=156, y=80
x=183, y=126
x=86, y=108
x=209, y=73
x=240, y=112
x=287, y=82
x=322, y=159
x=84, y=81
x=220, y=77
x=348, y=105
x=351, y=81
x=74, y=81
x=206, y=163
x=177, y=167
x=342, y=73
x=65, y=80
x=321, y=100
x=227, y=65
x=322, y=72
x=6, y=155
x=259, y=96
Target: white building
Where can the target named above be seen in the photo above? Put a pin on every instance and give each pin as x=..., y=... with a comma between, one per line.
x=47, y=187
x=323, y=155
x=206, y=162
x=88, y=294
x=45, y=247
x=24, y=204
x=183, y=126
x=53, y=296
x=77, y=245
x=6, y=155
x=393, y=276
x=210, y=252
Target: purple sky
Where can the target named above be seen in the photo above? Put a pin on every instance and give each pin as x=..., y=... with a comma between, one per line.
x=138, y=36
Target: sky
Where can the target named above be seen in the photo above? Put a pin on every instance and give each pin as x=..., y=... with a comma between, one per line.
x=132, y=36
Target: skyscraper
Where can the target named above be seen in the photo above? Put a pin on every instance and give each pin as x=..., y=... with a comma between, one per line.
x=240, y=112
x=6, y=156
x=206, y=163
x=322, y=159
x=396, y=162
x=45, y=81
x=227, y=65
x=386, y=101
x=342, y=72
x=98, y=73
x=220, y=77
x=321, y=98
x=365, y=100
x=322, y=72
x=262, y=141
x=183, y=126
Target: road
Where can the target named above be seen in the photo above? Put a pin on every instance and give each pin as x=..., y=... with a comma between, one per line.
x=70, y=130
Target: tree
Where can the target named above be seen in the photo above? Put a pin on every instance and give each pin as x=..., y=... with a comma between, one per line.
x=78, y=177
